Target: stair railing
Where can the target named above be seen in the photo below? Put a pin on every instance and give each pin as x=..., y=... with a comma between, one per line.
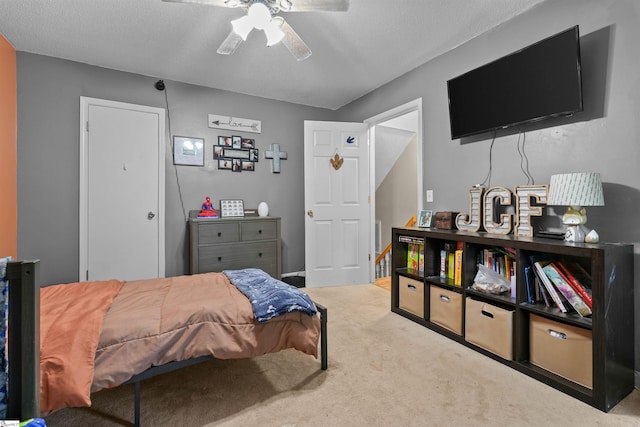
x=383, y=261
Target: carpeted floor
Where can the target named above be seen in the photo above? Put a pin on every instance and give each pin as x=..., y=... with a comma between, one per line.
x=384, y=370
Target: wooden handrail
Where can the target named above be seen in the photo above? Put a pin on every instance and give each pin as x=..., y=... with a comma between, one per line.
x=386, y=250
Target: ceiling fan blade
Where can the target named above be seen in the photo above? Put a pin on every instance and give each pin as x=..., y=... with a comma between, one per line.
x=315, y=5
x=221, y=3
x=292, y=40
x=230, y=44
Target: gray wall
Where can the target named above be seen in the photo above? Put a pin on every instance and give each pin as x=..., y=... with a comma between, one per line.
x=49, y=90
x=605, y=138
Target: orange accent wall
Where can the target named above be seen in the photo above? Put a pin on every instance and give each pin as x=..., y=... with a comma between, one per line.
x=8, y=151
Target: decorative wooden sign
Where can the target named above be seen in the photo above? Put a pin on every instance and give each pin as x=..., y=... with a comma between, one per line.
x=234, y=123
x=505, y=197
x=482, y=209
x=471, y=222
x=524, y=194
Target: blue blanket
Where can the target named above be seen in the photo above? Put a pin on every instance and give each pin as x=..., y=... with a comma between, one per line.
x=269, y=296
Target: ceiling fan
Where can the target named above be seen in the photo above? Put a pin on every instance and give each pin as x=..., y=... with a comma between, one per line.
x=262, y=15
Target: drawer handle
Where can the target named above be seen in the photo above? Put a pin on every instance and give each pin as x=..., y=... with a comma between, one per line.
x=260, y=254
x=556, y=334
x=259, y=231
x=219, y=258
x=486, y=313
x=412, y=287
x=445, y=298
x=219, y=233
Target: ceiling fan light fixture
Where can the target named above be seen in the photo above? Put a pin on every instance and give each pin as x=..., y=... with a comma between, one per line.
x=242, y=26
x=274, y=33
x=285, y=5
x=259, y=15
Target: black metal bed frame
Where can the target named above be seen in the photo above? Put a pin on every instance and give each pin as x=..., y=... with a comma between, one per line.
x=24, y=330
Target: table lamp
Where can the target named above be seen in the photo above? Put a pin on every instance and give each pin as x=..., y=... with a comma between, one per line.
x=576, y=190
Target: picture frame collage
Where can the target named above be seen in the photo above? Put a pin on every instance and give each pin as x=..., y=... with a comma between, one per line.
x=236, y=153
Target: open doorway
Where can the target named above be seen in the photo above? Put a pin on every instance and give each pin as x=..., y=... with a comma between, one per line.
x=396, y=177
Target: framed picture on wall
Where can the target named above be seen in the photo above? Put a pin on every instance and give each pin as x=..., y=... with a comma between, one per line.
x=424, y=218
x=188, y=151
x=225, y=141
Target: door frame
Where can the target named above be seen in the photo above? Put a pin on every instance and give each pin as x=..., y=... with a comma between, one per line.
x=85, y=103
x=372, y=122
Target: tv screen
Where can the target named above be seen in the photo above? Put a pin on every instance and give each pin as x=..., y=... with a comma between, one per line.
x=540, y=81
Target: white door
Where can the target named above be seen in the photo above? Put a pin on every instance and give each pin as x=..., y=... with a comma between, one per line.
x=121, y=190
x=336, y=188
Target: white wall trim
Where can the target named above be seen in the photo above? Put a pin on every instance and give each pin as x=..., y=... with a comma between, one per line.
x=411, y=106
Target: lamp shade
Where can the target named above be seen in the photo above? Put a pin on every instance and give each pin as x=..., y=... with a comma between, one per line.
x=576, y=189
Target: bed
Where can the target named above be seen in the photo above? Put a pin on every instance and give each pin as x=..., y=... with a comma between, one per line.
x=135, y=330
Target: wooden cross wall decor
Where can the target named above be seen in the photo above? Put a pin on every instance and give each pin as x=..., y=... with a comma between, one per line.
x=275, y=155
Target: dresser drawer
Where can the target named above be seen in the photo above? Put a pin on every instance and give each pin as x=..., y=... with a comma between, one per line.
x=212, y=233
x=236, y=256
x=259, y=230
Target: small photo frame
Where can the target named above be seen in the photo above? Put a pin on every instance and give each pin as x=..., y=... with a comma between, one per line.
x=424, y=218
x=236, y=141
x=218, y=151
x=225, y=141
x=248, y=143
x=188, y=151
x=248, y=166
x=236, y=165
x=230, y=208
x=225, y=164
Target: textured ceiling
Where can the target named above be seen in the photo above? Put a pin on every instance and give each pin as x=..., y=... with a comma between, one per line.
x=354, y=52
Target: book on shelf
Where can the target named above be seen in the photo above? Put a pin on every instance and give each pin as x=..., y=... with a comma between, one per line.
x=569, y=293
x=415, y=251
x=450, y=247
x=529, y=281
x=443, y=264
x=536, y=290
x=538, y=266
x=411, y=239
x=577, y=286
x=543, y=293
x=457, y=274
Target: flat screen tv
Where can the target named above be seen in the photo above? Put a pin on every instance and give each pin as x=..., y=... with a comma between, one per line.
x=539, y=81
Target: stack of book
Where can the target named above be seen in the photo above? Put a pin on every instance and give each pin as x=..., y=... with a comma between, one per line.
x=415, y=254
x=501, y=260
x=451, y=263
x=562, y=284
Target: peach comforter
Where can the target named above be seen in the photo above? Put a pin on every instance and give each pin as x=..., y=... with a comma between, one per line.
x=98, y=335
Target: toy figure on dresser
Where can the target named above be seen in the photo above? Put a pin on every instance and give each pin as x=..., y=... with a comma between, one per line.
x=207, y=210
x=574, y=218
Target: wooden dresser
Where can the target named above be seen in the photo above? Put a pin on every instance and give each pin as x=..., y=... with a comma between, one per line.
x=233, y=243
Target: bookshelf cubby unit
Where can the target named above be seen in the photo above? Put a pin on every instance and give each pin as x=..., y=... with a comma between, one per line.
x=590, y=358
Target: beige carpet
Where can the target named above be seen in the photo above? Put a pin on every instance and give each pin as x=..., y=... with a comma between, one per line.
x=384, y=370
